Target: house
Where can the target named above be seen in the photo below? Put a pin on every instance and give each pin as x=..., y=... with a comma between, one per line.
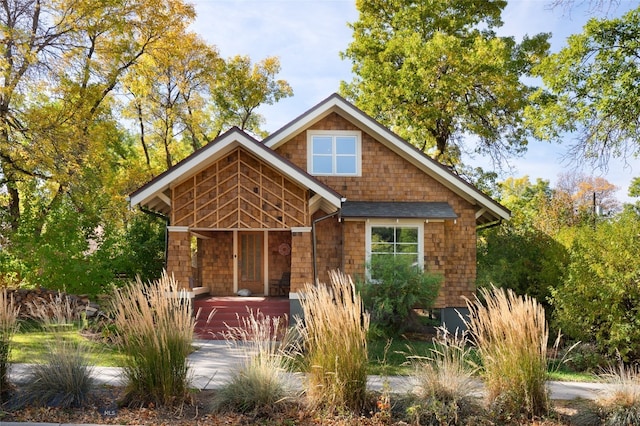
x=327, y=191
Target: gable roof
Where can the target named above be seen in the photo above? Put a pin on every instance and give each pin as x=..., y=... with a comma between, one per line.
x=487, y=209
x=156, y=196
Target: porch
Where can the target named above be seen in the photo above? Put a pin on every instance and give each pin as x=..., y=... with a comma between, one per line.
x=231, y=311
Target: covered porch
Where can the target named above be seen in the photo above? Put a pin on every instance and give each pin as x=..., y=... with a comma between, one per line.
x=224, y=262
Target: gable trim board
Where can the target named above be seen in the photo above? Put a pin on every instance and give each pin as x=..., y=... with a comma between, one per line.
x=491, y=210
x=152, y=195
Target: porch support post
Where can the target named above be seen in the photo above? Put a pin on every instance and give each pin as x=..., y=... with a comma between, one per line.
x=302, y=266
x=179, y=255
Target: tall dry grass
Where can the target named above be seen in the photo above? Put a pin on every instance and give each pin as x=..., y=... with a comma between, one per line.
x=259, y=384
x=58, y=311
x=155, y=329
x=334, y=338
x=621, y=402
x=8, y=326
x=511, y=335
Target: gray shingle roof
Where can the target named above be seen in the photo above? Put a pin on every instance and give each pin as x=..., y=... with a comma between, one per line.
x=398, y=210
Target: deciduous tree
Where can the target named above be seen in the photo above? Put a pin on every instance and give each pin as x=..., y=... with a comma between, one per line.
x=593, y=92
x=436, y=72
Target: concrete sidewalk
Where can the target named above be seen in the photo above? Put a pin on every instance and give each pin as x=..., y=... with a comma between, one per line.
x=214, y=361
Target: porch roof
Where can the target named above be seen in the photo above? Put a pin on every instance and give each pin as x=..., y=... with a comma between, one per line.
x=399, y=210
x=156, y=195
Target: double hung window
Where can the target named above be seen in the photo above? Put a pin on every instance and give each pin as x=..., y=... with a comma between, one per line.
x=401, y=241
x=334, y=153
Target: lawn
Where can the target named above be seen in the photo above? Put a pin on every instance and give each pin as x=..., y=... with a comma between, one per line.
x=32, y=343
x=389, y=358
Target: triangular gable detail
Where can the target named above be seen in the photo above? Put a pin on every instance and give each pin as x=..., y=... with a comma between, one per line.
x=155, y=191
x=491, y=210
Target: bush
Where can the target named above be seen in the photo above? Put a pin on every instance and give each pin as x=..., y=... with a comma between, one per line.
x=63, y=380
x=334, y=340
x=396, y=287
x=259, y=385
x=598, y=302
x=8, y=327
x=446, y=385
x=511, y=335
x=155, y=327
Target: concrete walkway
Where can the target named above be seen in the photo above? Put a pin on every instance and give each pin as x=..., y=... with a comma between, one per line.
x=213, y=362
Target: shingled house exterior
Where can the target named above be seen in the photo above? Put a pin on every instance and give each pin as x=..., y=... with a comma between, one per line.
x=327, y=191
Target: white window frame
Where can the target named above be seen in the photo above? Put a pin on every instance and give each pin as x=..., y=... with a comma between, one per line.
x=397, y=223
x=333, y=134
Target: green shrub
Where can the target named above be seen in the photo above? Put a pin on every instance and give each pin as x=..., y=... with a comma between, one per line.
x=334, y=341
x=510, y=334
x=155, y=328
x=259, y=385
x=63, y=380
x=394, y=288
x=8, y=327
x=598, y=302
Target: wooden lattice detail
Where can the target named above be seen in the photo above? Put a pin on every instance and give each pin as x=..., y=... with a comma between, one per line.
x=239, y=191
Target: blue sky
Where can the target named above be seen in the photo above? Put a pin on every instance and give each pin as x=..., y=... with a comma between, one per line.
x=307, y=36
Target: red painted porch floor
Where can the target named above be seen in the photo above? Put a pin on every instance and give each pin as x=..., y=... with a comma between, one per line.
x=230, y=311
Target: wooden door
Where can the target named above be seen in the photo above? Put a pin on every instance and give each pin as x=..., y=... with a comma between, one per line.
x=251, y=262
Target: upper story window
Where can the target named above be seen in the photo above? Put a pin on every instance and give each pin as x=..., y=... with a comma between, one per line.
x=333, y=152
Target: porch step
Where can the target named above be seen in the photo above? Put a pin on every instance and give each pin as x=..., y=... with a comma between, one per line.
x=232, y=310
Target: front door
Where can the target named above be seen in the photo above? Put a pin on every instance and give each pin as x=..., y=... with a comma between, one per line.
x=250, y=262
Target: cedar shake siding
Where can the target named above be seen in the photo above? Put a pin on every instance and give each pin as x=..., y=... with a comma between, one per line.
x=244, y=213
x=449, y=247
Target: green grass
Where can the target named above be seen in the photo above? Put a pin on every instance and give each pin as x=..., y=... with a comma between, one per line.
x=31, y=345
x=572, y=376
x=392, y=360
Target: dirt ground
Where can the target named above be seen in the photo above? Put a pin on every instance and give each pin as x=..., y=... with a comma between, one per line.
x=103, y=409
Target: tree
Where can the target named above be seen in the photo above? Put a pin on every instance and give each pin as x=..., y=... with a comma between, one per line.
x=183, y=98
x=63, y=154
x=593, y=91
x=244, y=88
x=435, y=72
x=519, y=254
x=600, y=300
x=170, y=93
x=61, y=61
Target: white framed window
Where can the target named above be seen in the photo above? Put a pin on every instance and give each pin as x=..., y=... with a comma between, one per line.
x=334, y=153
x=403, y=239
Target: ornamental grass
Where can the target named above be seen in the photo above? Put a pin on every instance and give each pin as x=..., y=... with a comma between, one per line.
x=64, y=379
x=510, y=334
x=446, y=381
x=259, y=385
x=334, y=339
x=8, y=327
x=155, y=328
x=621, y=402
